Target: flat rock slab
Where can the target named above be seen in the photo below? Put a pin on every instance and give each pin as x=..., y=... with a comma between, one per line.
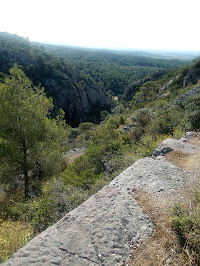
x=150, y=175
x=170, y=144
x=100, y=230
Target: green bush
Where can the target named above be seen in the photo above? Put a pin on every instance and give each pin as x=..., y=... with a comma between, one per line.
x=84, y=180
x=165, y=122
x=192, y=113
x=57, y=200
x=115, y=121
x=141, y=119
x=186, y=222
x=149, y=143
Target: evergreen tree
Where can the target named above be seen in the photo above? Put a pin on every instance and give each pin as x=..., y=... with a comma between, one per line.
x=30, y=142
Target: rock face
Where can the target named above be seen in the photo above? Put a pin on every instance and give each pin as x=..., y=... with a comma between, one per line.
x=80, y=104
x=77, y=95
x=98, y=232
x=167, y=86
x=102, y=229
x=192, y=92
x=131, y=89
x=192, y=76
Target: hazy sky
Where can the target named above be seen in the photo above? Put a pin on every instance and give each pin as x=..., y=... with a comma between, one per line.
x=143, y=24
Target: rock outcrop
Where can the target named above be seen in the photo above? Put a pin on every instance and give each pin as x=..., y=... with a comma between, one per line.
x=80, y=104
x=130, y=90
x=103, y=229
x=181, y=145
x=192, y=76
x=183, y=97
x=168, y=84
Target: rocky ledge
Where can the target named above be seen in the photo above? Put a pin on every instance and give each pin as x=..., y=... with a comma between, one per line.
x=102, y=230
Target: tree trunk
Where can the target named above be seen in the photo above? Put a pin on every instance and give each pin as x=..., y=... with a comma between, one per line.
x=25, y=172
x=26, y=195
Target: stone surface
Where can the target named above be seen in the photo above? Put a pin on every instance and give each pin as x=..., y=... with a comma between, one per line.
x=167, y=86
x=174, y=144
x=98, y=232
x=151, y=175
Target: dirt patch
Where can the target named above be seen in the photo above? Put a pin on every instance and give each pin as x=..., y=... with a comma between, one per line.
x=177, y=157
x=193, y=162
x=195, y=140
x=163, y=247
x=190, y=162
x=73, y=154
x=73, y=157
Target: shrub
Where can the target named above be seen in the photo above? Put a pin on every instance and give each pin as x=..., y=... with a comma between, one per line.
x=115, y=121
x=57, y=200
x=192, y=113
x=165, y=122
x=149, y=143
x=141, y=118
x=119, y=109
x=186, y=222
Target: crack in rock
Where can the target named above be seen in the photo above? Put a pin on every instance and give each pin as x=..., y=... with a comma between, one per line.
x=79, y=256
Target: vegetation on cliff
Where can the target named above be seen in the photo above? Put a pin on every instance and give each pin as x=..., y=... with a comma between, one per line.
x=32, y=141
x=80, y=98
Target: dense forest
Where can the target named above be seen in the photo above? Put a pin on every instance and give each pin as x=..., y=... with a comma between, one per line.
x=114, y=70
x=39, y=181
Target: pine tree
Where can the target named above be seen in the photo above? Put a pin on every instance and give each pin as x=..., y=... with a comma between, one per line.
x=30, y=141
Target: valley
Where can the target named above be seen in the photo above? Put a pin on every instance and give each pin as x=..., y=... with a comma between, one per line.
x=63, y=111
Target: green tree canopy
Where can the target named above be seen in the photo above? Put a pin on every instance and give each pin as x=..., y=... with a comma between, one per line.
x=147, y=92
x=30, y=141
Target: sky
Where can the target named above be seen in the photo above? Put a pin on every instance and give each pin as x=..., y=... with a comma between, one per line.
x=136, y=24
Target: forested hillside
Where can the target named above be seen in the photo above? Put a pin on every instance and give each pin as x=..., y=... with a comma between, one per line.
x=78, y=80
x=114, y=69
x=76, y=94
x=40, y=179
x=162, y=85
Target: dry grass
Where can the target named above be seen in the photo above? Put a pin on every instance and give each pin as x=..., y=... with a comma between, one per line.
x=71, y=158
x=178, y=158
x=195, y=140
x=193, y=162
x=13, y=236
x=163, y=247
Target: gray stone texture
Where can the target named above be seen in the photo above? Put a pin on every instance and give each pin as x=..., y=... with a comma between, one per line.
x=181, y=145
x=98, y=232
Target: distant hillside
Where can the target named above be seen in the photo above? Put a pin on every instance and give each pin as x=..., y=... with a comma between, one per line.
x=80, y=80
x=173, y=81
x=77, y=95
x=112, y=69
